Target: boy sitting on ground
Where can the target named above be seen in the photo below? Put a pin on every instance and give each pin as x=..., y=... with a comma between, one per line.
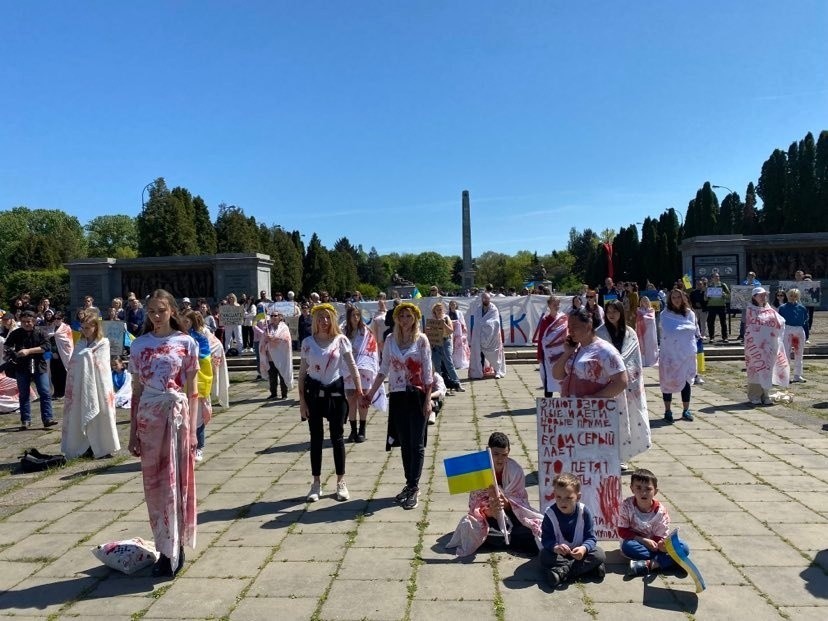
x=570, y=548
x=480, y=526
x=644, y=525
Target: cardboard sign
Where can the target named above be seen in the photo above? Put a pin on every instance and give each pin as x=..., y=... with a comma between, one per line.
x=715, y=292
x=434, y=331
x=231, y=315
x=580, y=436
x=114, y=332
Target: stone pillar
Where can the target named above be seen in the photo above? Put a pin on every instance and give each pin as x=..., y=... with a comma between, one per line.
x=468, y=269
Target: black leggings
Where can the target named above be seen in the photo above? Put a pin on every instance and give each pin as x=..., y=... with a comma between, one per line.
x=406, y=412
x=337, y=411
x=685, y=394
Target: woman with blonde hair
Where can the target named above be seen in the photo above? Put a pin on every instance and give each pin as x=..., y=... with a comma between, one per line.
x=164, y=362
x=441, y=350
x=406, y=362
x=326, y=358
x=796, y=318
x=89, y=410
x=677, y=358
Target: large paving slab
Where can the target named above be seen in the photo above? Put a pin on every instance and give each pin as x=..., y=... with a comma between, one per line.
x=747, y=487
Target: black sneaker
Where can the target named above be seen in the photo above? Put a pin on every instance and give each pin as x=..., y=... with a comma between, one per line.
x=26, y=424
x=601, y=571
x=554, y=577
x=402, y=495
x=50, y=423
x=411, y=499
x=360, y=438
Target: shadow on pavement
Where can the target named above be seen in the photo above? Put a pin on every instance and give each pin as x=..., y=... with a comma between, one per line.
x=521, y=412
x=668, y=599
x=737, y=407
x=814, y=576
x=296, y=447
x=129, y=466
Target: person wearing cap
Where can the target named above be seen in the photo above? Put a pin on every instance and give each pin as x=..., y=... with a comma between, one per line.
x=406, y=362
x=766, y=360
x=486, y=343
x=326, y=358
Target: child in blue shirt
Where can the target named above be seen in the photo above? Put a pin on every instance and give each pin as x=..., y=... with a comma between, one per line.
x=569, y=548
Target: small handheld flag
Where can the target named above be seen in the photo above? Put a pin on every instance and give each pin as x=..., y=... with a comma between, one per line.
x=468, y=473
x=415, y=294
x=677, y=553
x=688, y=284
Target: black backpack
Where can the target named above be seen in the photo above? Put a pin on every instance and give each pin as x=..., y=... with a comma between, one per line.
x=35, y=461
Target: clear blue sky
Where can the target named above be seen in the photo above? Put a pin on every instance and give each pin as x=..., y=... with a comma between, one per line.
x=368, y=119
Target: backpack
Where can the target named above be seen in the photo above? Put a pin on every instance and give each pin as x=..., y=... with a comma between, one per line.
x=35, y=461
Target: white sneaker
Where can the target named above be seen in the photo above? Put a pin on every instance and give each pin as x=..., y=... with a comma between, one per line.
x=199, y=455
x=498, y=376
x=432, y=418
x=798, y=378
x=315, y=492
x=342, y=491
x=699, y=380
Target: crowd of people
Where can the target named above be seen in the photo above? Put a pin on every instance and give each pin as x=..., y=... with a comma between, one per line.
x=174, y=372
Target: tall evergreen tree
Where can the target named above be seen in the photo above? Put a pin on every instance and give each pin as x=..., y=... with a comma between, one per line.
x=808, y=197
x=165, y=226
x=343, y=273
x=291, y=261
x=793, y=216
x=692, y=225
x=649, y=250
x=234, y=231
x=317, y=274
x=820, y=214
x=750, y=217
x=204, y=229
x=730, y=215
x=771, y=189
x=707, y=205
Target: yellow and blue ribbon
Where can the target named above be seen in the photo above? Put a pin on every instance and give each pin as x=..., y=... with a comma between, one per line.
x=677, y=553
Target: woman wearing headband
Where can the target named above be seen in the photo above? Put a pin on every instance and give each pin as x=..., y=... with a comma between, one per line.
x=326, y=358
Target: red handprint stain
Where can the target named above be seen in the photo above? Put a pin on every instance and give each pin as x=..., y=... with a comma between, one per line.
x=609, y=497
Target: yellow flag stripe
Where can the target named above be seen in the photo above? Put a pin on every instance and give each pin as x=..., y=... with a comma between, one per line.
x=464, y=483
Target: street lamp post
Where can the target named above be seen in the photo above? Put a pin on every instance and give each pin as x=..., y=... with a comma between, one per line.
x=722, y=187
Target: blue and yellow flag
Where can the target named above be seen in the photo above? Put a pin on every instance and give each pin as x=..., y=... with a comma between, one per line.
x=416, y=295
x=688, y=284
x=677, y=553
x=468, y=473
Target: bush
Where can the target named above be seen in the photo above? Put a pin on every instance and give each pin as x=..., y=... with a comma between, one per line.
x=52, y=284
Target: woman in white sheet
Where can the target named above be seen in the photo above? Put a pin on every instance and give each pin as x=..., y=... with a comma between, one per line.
x=89, y=410
x=460, y=337
x=677, y=356
x=635, y=420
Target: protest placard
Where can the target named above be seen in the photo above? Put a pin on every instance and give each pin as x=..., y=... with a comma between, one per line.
x=434, y=331
x=231, y=315
x=580, y=436
x=114, y=332
x=740, y=296
x=715, y=292
x=810, y=292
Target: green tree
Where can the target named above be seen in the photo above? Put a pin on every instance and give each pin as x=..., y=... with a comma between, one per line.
x=432, y=268
x=750, y=217
x=204, y=229
x=165, y=224
x=291, y=260
x=649, y=248
x=820, y=214
x=808, y=197
x=730, y=216
x=39, y=239
x=520, y=269
x=112, y=236
x=317, y=272
x=792, y=209
x=344, y=273
x=374, y=271
x=772, y=190
x=491, y=269
x=234, y=231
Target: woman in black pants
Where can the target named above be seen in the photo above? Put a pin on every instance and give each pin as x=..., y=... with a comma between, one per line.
x=326, y=358
x=406, y=361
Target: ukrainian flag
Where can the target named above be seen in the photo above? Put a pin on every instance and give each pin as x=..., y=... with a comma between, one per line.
x=416, y=295
x=688, y=284
x=676, y=552
x=469, y=472
x=76, y=331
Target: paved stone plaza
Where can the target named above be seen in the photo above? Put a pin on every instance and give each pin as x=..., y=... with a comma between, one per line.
x=748, y=487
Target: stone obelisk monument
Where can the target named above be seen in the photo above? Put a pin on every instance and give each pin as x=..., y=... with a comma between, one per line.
x=468, y=268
